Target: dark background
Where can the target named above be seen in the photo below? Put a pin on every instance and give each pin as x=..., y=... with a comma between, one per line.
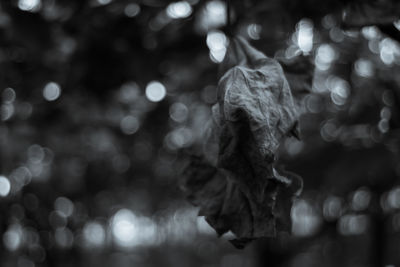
x=89, y=142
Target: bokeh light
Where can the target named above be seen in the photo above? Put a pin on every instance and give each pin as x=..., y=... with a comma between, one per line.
x=393, y=198
x=104, y=2
x=179, y=10
x=64, y=206
x=132, y=10
x=94, y=234
x=389, y=51
x=51, y=91
x=254, y=31
x=13, y=237
x=30, y=5
x=364, y=68
x=361, y=199
x=64, y=237
x=129, y=92
x=325, y=56
x=213, y=15
x=332, y=208
x=155, y=91
x=5, y=186
x=340, y=90
x=305, y=35
x=352, y=224
x=7, y=111
x=217, y=43
x=129, y=124
x=130, y=230
x=178, y=112
x=305, y=219
x=8, y=95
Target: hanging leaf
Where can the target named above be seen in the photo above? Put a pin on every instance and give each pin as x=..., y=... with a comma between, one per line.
x=235, y=182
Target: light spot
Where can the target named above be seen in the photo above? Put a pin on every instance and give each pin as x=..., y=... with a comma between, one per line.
x=35, y=154
x=373, y=46
x=254, y=31
x=132, y=10
x=217, y=43
x=129, y=125
x=336, y=34
x=64, y=237
x=305, y=35
x=383, y=125
x=292, y=51
x=13, y=237
x=180, y=137
x=361, y=199
x=386, y=113
x=305, y=219
x=104, y=2
x=332, y=208
x=29, y=5
x=212, y=16
x=155, y=91
x=325, y=56
x=130, y=230
x=216, y=40
x=388, y=98
x=314, y=103
x=370, y=32
x=124, y=228
x=329, y=131
x=5, y=186
x=393, y=199
x=389, y=51
x=94, y=234
x=179, y=10
x=8, y=95
x=340, y=90
x=22, y=176
x=364, y=68
x=178, y=112
x=64, y=206
x=6, y=111
x=352, y=224
x=51, y=91
x=129, y=92
x=328, y=22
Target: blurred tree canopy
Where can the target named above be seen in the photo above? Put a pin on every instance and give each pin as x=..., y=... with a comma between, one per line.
x=99, y=96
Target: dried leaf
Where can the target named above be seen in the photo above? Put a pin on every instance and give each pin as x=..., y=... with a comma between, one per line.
x=235, y=183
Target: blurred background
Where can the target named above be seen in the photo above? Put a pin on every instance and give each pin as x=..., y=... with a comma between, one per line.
x=99, y=96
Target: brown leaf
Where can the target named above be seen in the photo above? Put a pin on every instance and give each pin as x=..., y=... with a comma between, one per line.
x=235, y=183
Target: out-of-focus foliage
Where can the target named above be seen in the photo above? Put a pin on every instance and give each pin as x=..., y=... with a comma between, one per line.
x=98, y=97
